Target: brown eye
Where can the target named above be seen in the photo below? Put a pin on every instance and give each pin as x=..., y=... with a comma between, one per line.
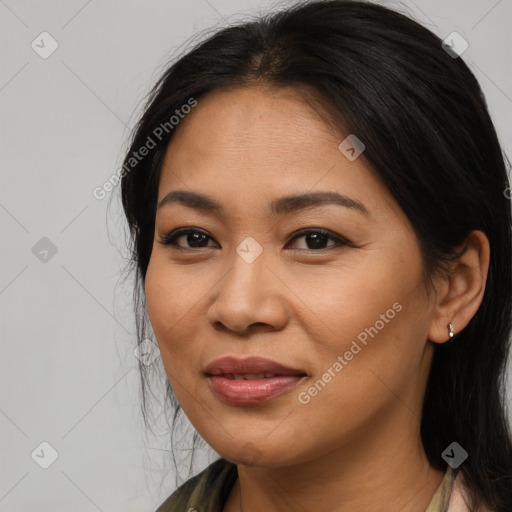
x=318, y=239
x=194, y=238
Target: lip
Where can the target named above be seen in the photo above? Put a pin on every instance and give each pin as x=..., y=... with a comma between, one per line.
x=232, y=365
x=253, y=391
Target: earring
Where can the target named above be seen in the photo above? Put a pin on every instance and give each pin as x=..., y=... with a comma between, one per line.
x=450, y=327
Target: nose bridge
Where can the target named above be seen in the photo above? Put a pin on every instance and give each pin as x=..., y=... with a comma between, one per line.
x=244, y=282
x=248, y=292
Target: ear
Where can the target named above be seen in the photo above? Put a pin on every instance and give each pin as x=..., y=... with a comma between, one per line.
x=459, y=294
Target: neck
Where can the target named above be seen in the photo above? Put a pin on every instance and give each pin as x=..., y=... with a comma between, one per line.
x=383, y=468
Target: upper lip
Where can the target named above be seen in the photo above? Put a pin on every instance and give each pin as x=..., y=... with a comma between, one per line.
x=232, y=365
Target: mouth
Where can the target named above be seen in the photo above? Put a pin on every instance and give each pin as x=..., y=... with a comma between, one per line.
x=250, y=381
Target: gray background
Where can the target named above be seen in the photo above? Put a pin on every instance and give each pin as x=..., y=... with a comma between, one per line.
x=68, y=375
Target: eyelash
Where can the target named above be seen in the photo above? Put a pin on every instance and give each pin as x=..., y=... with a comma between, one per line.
x=170, y=238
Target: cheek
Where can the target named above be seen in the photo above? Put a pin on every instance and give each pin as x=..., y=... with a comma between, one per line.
x=169, y=301
x=359, y=382
x=375, y=320
x=166, y=306
x=157, y=296
x=345, y=302
x=169, y=293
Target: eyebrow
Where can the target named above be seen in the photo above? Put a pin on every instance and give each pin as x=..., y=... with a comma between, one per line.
x=281, y=206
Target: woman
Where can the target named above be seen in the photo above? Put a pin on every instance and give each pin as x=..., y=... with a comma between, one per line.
x=321, y=231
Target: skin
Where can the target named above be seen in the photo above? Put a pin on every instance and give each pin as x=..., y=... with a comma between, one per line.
x=347, y=448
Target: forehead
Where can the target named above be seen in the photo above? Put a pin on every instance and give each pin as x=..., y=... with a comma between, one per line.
x=253, y=121
x=251, y=142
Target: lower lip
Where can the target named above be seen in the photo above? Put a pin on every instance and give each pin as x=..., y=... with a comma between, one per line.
x=251, y=391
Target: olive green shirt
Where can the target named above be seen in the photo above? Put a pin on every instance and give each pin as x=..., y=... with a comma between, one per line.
x=209, y=490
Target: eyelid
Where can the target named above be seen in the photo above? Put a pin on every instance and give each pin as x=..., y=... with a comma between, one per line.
x=176, y=233
x=340, y=240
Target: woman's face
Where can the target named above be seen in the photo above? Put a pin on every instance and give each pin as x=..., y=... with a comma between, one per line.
x=352, y=318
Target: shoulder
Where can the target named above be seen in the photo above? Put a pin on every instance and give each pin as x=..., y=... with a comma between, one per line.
x=459, y=497
x=206, y=491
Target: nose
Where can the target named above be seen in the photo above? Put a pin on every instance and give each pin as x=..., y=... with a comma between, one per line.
x=249, y=296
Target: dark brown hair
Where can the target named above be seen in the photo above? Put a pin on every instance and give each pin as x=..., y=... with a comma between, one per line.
x=428, y=137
